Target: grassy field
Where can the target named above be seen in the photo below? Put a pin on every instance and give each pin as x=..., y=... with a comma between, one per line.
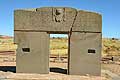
x=60, y=46
x=7, y=45
x=110, y=47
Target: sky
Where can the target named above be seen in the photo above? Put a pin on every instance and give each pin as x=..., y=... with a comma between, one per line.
x=110, y=10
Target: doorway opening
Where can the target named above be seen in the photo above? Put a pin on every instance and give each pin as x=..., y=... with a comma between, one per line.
x=58, y=53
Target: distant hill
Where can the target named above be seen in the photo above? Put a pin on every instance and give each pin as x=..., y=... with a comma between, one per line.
x=5, y=37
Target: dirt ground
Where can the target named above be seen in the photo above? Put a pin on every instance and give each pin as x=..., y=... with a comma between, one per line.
x=23, y=76
x=10, y=60
x=51, y=76
x=115, y=68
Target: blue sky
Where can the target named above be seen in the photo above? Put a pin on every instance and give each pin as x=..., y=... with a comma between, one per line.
x=110, y=10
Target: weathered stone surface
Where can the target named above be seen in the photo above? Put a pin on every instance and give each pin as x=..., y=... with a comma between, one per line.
x=43, y=19
x=84, y=20
x=33, y=26
x=82, y=62
x=37, y=59
x=88, y=21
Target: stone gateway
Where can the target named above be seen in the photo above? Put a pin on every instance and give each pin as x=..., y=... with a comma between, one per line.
x=32, y=28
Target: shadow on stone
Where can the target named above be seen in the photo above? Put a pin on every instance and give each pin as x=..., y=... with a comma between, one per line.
x=8, y=68
x=58, y=70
